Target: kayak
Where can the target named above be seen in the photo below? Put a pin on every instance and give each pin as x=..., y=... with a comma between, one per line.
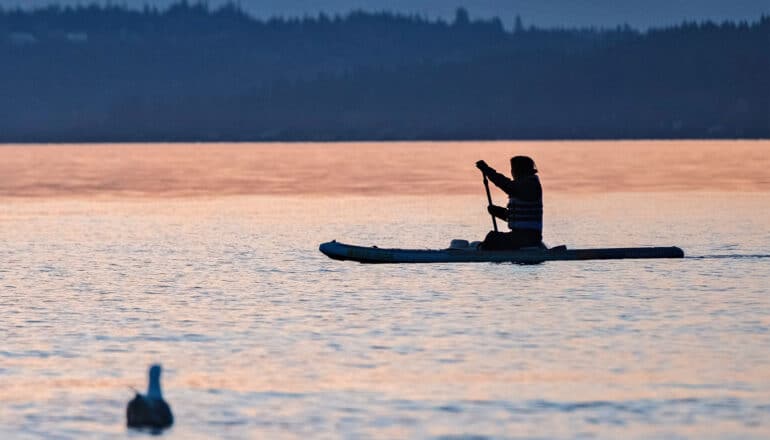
x=470, y=254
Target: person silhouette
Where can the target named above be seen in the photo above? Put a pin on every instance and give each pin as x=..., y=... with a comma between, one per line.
x=524, y=213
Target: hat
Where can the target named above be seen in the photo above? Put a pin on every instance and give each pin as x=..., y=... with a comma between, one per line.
x=523, y=165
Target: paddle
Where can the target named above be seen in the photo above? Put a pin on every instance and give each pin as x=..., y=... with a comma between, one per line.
x=489, y=199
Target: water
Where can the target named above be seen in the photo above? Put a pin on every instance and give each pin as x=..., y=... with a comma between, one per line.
x=261, y=336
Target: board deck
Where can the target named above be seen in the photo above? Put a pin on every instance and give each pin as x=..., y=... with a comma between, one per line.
x=341, y=251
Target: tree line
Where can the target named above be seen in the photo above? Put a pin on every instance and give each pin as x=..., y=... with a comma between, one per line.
x=191, y=73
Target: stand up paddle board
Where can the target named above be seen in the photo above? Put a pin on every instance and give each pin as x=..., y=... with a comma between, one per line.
x=470, y=254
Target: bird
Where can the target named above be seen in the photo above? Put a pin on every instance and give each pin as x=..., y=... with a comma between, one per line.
x=150, y=410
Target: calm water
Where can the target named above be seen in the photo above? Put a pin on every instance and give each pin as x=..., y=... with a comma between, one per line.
x=261, y=336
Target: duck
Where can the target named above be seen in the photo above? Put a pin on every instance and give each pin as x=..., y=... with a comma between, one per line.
x=150, y=410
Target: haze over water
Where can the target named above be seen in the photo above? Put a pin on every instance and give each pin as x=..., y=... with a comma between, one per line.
x=204, y=257
x=430, y=168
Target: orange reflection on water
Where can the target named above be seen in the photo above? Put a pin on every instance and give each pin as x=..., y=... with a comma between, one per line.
x=375, y=168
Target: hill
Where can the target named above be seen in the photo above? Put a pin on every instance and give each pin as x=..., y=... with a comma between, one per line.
x=189, y=73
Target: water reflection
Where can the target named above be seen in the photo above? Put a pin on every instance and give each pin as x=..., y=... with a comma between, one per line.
x=262, y=336
x=375, y=168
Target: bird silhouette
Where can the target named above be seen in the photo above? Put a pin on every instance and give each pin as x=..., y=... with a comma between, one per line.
x=150, y=410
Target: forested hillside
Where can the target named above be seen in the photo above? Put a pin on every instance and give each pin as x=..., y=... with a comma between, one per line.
x=190, y=73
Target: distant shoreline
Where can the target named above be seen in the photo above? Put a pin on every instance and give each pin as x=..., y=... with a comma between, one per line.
x=191, y=74
x=365, y=141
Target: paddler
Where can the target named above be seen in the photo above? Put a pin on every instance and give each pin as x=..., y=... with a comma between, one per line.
x=524, y=212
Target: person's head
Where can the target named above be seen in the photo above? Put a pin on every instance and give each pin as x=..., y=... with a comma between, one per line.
x=522, y=166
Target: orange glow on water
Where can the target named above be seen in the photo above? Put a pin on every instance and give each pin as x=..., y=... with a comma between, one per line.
x=375, y=168
x=118, y=256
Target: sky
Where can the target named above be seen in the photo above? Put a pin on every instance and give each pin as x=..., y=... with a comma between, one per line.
x=637, y=13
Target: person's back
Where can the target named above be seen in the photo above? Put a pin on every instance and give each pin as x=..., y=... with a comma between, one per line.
x=524, y=213
x=525, y=205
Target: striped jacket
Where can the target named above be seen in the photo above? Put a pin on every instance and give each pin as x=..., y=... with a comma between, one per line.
x=525, y=200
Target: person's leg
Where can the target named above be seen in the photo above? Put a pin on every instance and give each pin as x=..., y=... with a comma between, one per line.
x=496, y=241
x=502, y=241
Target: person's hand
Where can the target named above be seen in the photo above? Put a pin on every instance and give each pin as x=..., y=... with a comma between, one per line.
x=482, y=165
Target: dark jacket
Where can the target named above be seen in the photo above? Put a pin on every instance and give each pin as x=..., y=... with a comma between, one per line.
x=525, y=200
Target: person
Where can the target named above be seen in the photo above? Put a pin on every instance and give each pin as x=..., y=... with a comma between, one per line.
x=524, y=212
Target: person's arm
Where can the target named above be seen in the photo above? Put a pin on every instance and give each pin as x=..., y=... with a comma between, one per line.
x=501, y=181
x=498, y=211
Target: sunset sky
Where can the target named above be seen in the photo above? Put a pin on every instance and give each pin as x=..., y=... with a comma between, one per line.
x=543, y=12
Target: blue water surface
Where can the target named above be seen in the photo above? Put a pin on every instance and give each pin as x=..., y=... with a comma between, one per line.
x=261, y=336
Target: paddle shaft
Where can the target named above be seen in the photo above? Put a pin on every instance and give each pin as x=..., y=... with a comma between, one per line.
x=489, y=199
